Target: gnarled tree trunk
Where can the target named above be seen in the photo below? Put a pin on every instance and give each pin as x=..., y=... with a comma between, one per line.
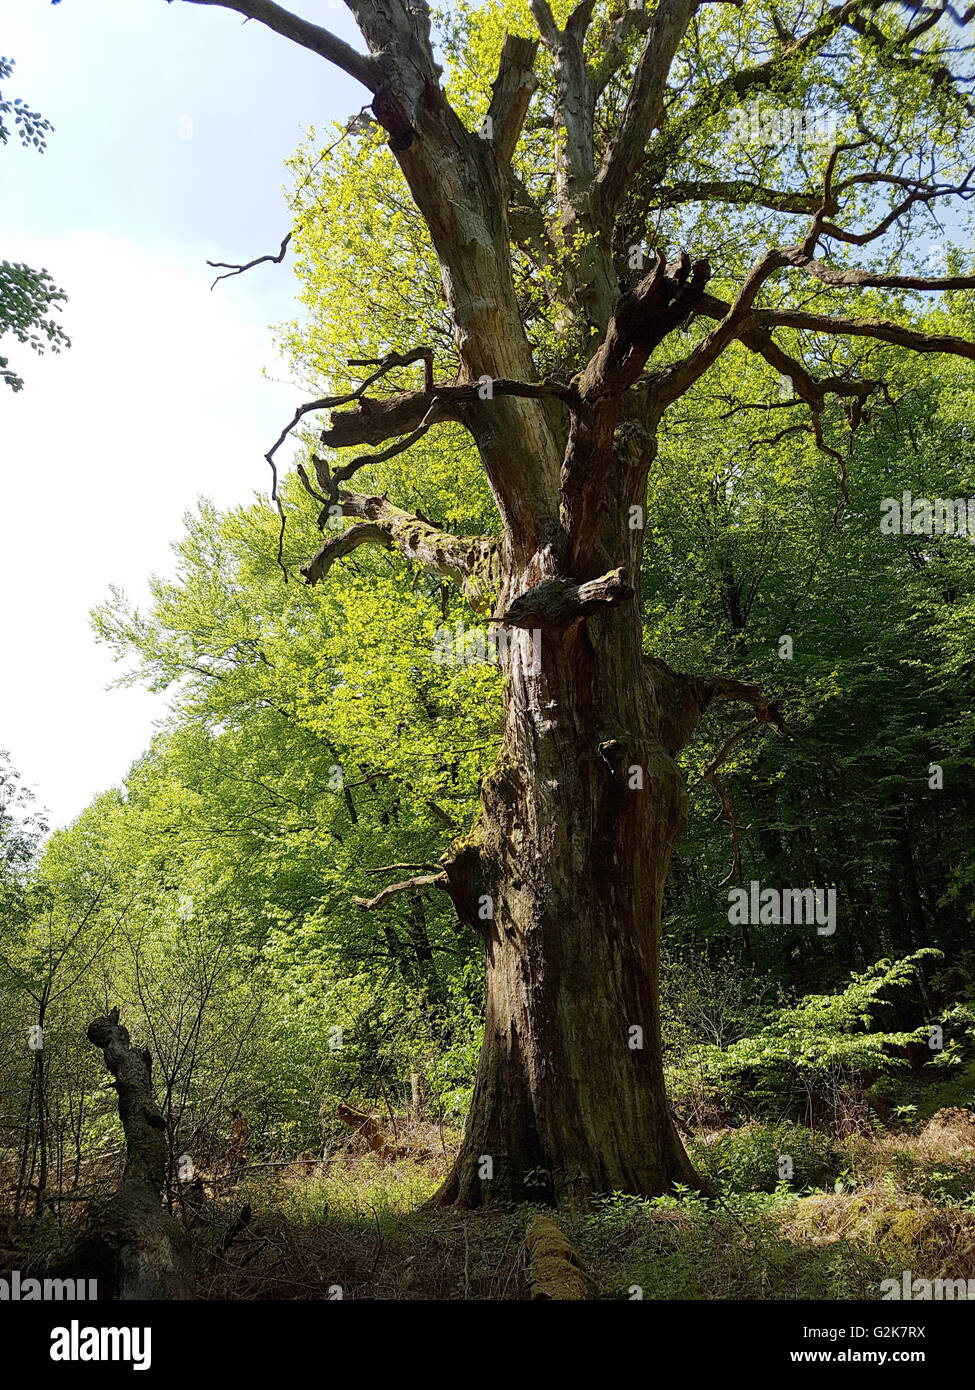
x=564, y=875
x=133, y=1246
x=564, y=872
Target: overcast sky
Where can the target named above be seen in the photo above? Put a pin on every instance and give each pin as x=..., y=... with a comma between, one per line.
x=172, y=124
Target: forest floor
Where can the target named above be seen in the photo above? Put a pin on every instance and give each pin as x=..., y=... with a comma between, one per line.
x=353, y=1225
x=894, y=1201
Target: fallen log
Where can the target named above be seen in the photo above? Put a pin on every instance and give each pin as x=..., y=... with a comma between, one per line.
x=555, y=1272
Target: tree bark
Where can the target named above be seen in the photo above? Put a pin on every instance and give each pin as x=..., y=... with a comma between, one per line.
x=132, y=1243
x=564, y=876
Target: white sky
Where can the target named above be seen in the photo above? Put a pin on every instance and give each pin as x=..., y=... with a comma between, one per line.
x=160, y=397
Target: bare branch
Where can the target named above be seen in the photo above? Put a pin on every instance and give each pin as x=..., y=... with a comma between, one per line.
x=766, y=716
x=383, y=366
x=814, y=392
x=409, y=885
x=511, y=94
x=881, y=329
x=870, y=279
x=233, y=269
x=681, y=700
x=471, y=562
x=374, y=421
x=726, y=688
x=739, y=191
x=555, y=603
x=348, y=470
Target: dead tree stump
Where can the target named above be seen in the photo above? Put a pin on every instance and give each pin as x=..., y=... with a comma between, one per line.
x=132, y=1242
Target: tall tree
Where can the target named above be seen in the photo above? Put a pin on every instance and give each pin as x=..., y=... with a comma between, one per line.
x=564, y=871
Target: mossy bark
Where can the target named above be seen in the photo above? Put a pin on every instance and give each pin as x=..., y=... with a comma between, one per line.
x=555, y=1272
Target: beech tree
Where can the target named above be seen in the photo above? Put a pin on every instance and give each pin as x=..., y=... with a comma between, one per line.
x=608, y=130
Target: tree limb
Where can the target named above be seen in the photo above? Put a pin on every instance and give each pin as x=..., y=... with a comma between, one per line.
x=409, y=885
x=471, y=562
x=308, y=35
x=644, y=106
x=233, y=269
x=511, y=94
x=373, y=420
x=871, y=279
x=881, y=329
x=555, y=603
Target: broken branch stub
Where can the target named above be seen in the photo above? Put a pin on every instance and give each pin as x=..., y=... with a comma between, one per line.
x=556, y=603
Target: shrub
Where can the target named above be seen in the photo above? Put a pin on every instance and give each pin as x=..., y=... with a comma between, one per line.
x=757, y=1158
x=814, y=1053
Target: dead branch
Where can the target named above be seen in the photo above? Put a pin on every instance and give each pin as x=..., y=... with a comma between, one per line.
x=327, y=45
x=468, y=561
x=766, y=711
x=410, y=885
x=555, y=603
x=232, y=268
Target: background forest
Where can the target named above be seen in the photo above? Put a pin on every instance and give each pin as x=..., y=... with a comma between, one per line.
x=825, y=1084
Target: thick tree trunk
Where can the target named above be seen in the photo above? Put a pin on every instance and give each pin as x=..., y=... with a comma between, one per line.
x=579, y=819
x=564, y=871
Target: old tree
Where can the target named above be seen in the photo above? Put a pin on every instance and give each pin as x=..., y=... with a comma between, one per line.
x=809, y=157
